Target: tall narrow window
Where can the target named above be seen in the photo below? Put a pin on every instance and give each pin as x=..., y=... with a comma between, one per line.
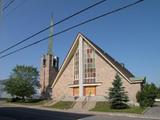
x=44, y=62
x=76, y=67
x=89, y=70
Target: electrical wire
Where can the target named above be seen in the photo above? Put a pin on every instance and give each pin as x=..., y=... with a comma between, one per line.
x=26, y=39
x=4, y=8
x=82, y=23
x=16, y=7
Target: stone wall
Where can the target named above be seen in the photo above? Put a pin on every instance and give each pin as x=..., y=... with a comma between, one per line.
x=106, y=74
x=61, y=89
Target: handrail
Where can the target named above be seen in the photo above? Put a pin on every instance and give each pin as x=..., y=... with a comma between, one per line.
x=84, y=102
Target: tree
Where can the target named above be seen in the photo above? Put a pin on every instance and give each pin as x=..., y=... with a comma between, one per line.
x=158, y=92
x=22, y=81
x=146, y=97
x=117, y=95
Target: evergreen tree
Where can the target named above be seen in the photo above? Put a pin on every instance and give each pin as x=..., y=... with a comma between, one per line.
x=117, y=94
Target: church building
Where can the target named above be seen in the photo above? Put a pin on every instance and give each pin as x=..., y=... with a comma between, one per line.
x=86, y=71
x=89, y=71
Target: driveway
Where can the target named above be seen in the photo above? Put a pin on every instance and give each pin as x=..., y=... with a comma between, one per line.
x=154, y=111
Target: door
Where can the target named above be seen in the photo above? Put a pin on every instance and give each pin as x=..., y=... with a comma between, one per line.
x=76, y=91
x=90, y=91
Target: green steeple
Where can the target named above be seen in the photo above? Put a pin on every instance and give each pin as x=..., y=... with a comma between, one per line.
x=50, y=45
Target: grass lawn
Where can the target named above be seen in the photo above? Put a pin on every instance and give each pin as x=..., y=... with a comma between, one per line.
x=63, y=105
x=28, y=101
x=105, y=107
x=35, y=102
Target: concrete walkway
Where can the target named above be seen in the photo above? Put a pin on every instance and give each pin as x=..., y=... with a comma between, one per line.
x=153, y=112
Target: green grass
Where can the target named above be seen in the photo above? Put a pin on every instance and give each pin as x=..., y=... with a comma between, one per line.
x=63, y=105
x=105, y=107
x=27, y=101
x=35, y=102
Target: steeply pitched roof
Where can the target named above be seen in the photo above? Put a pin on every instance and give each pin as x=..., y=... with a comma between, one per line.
x=116, y=65
x=113, y=61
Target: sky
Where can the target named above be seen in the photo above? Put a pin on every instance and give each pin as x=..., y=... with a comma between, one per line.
x=131, y=36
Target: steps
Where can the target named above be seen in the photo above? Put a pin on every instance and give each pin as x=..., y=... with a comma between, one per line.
x=83, y=104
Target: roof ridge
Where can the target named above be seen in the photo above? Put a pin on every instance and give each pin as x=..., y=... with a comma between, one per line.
x=111, y=59
x=125, y=72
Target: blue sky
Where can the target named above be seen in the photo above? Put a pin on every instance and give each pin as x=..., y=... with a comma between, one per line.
x=131, y=36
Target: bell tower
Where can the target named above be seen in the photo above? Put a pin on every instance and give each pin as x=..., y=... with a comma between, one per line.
x=49, y=68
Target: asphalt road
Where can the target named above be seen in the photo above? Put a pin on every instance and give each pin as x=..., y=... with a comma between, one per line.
x=19, y=113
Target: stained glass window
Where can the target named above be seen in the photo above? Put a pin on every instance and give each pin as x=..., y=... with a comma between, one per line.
x=76, y=67
x=89, y=70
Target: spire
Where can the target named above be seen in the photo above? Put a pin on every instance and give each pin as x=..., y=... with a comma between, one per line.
x=50, y=45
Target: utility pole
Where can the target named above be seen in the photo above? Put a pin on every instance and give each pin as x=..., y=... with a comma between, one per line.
x=1, y=9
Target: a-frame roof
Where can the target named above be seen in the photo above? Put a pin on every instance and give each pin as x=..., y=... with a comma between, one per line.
x=116, y=65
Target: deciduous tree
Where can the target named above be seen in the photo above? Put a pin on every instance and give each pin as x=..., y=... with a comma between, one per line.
x=147, y=96
x=23, y=81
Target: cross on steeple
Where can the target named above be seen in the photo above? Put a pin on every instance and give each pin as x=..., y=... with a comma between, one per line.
x=50, y=45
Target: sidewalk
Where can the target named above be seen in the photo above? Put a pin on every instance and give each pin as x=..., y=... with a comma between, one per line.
x=154, y=111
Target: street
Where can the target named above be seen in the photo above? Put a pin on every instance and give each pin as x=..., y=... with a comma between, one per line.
x=21, y=113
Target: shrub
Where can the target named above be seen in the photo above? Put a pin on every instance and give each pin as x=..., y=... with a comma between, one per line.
x=15, y=99
x=158, y=95
x=147, y=96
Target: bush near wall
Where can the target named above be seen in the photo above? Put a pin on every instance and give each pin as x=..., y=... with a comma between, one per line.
x=146, y=97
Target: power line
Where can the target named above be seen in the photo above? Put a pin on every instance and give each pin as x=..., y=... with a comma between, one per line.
x=8, y=5
x=82, y=23
x=16, y=7
x=12, y=46
x=6, y=2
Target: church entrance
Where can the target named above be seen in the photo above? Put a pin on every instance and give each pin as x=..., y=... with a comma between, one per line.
x=76, y=91
x=90, y=91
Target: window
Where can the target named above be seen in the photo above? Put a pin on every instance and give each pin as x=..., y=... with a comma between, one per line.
x=76, y=67
x=89, y=69
x=44, y=62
